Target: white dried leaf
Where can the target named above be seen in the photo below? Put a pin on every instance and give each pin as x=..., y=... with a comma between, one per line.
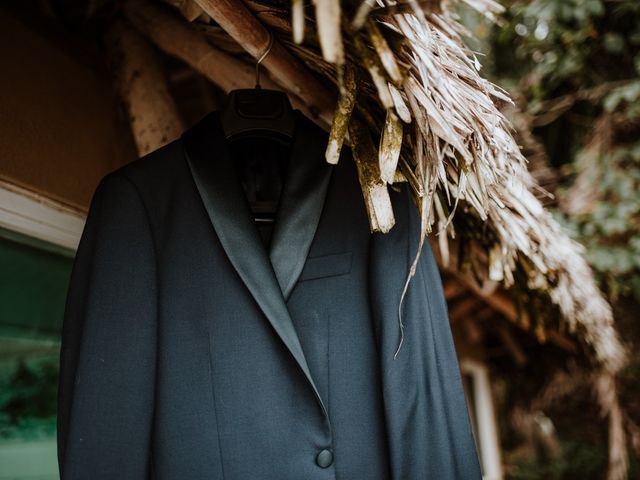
x=390, y=145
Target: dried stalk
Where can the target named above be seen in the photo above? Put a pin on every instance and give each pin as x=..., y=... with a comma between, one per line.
x=390, y=144
x=377, y=200
x=387, y=57
x=341, y=117
x=328, y=16
x=297, y=20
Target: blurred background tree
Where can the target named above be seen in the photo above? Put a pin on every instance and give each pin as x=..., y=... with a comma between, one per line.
x=574, y=66
x=573, y=69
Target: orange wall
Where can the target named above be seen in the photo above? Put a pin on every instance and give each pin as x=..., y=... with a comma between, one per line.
x=60, y=130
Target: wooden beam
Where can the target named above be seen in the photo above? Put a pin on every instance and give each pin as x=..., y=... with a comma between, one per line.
x=453, y=288
x=141, y=84
x=240, y=23
x=473, y=330
x=511, y=344
x=503, y=304
x=190, y=10
x=498, y=301
x=562, y=341
x=177, y=38
x=463, y=308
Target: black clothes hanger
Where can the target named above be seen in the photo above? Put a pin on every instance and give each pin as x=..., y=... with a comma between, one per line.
x=258, y=112
x=259, y=125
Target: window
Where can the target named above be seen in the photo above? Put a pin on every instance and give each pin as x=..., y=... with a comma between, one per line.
x=37, y=244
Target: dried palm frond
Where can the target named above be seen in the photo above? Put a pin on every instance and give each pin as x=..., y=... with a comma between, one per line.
x=466, y=155
x=435, y=119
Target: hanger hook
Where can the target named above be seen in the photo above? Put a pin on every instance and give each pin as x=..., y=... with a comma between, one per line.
x=262, y=57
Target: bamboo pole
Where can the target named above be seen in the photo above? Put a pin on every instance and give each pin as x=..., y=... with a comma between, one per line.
x=190, y=10
x=176, y=38
x=141, y=84
x=236, y=19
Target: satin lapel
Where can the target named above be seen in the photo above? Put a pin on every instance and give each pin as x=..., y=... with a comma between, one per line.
x=211, y=166
x=301, y=203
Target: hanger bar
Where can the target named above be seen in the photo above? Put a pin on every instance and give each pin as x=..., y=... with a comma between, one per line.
x=174, y=37
x=238, y=21
x=262, y=57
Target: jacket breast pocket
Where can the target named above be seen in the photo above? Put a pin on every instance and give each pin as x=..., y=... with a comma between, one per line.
x=326, y=266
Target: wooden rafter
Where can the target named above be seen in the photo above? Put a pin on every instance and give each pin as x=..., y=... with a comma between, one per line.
x=512, y=345
x=176, y=38
x=452, y=288
x=240, y=23
x=464, y=308
x=140, y=81
x=502, y=303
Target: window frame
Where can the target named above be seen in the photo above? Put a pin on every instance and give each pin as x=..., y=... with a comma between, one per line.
x=36, y=216
x=485, y=420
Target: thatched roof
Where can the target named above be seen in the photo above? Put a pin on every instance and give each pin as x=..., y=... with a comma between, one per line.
x=409, y=97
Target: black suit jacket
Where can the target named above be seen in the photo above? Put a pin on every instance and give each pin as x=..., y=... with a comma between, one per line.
x=179, y=355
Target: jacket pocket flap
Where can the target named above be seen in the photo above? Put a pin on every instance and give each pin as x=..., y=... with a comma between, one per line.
x=326, y=266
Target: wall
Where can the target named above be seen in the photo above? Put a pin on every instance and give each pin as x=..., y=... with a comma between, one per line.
x=60, y=128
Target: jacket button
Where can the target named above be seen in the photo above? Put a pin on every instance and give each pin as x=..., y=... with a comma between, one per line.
x=324, y=458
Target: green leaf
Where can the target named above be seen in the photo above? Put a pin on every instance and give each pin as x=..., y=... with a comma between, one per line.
x=613, y=42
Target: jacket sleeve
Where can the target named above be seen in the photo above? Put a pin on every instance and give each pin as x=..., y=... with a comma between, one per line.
x=422, y=382
x=108, y=344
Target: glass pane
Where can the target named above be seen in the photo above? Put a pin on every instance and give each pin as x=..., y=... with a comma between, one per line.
x=33, y=282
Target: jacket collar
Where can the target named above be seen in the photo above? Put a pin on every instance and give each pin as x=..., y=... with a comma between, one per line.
x=269, y=275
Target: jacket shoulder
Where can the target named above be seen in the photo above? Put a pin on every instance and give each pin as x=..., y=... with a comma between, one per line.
x=152, y=179
x=156, y=166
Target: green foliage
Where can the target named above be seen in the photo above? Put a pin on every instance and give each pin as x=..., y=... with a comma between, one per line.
x=579, y=460
x=564, y=45
x=611, y=229
x=627, y=94
x=574, y=68
x=587, y=52
x=28, y=399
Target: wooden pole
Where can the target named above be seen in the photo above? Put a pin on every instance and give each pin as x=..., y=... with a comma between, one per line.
x=512, y=345
x=141, y=84
x=502, y=303
x=176, y=38
x=238, y=21
x=463, y=308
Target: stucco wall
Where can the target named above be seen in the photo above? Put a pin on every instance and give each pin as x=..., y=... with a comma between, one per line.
x=60, y=130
